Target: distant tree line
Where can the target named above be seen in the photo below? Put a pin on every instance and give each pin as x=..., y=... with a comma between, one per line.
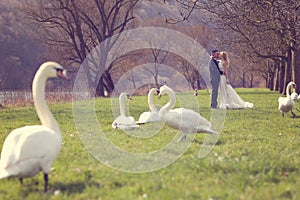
x=262, y=38
x=265, y=33
x=19, y=50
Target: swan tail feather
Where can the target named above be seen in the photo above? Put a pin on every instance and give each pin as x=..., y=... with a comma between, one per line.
x=4, y=174
x=202, y=129
x=212, y=132
x=182, y=138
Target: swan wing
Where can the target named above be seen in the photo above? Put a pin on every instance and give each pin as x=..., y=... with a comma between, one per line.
x=127, y=127
x=186, y=120
x=28, y=150
x=123, y=121
x=282, y=100
x=9, y=153
x=148, y=117
x=206, y=129
x=191, y=115
x=285, y=104
x=131, y=120
x=144, y=117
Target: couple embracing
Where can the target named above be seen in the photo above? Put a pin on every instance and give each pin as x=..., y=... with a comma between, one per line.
x=229, y=99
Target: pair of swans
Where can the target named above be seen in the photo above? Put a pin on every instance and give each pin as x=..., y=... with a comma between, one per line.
x=185, y=120
x=28, y=150
x=124, y=122
x=286, y=104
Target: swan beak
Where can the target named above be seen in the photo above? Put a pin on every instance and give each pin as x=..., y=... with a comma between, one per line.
x=62, y=74
x=129, y=97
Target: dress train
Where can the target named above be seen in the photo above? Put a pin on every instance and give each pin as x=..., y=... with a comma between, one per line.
x=229, y=99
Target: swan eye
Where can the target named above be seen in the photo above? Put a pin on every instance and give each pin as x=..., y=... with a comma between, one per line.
x=128, y=97
x=59, y=70
x=61, y=73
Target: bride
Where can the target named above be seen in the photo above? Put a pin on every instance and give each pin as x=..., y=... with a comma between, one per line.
x=229, y=99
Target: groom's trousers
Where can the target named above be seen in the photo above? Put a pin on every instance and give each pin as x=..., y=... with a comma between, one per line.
x=214, y=93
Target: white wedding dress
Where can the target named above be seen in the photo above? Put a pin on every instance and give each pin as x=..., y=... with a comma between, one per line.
x=229, y=99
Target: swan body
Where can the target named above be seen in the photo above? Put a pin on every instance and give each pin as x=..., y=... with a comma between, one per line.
x=152, y=115
x=185, y=120
x=286, y=104
x=124, y=122
x=28, y=150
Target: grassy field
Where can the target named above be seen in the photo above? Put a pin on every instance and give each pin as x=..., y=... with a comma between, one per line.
x=257, y=156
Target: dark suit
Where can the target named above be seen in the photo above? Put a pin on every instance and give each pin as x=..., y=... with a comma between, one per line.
x=214, y=80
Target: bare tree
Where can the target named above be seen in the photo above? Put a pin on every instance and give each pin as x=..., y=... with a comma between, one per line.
x=159, y=57
x=73, y=28
x=131, y=78
x=190, y=73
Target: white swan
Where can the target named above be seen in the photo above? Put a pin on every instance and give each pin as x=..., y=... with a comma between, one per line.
x=185, y=120
x=124, y=122
x=286, y=104
x=152, y=116
x=28, y=150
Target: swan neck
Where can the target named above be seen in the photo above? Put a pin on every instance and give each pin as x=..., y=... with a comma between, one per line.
x=171, y=102
x=122, y=104
x=288, y=88
x=42, y=109
x=151, y=102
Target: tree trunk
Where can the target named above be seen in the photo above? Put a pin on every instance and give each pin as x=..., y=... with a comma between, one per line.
x=156, y=81
x=198, y=84
x=271, y=80
x=244, y=79
x=297, y=70
x=269, y=76
x=281, y=78
x=251, y=80
x=105, y=85
x=100, y=89
x=293, y=62
x=276, y=76
x=288, y=70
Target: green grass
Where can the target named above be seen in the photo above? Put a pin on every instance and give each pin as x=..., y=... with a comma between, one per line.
x=257, y=156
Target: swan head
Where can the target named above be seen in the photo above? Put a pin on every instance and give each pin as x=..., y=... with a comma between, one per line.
x=164, y=90
x=292, y=84
x=125, y=96
x=157, y=91
x=128, y=97
x=53, y=70
x=154, y=91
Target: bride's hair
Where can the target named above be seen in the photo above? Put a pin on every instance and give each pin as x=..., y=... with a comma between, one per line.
x=225, y=57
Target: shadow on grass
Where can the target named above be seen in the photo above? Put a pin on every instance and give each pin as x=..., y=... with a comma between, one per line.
x=201, y=142
x=76, y=187
x=36, y=188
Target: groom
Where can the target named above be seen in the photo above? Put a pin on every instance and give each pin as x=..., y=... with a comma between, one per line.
x=214, y=77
